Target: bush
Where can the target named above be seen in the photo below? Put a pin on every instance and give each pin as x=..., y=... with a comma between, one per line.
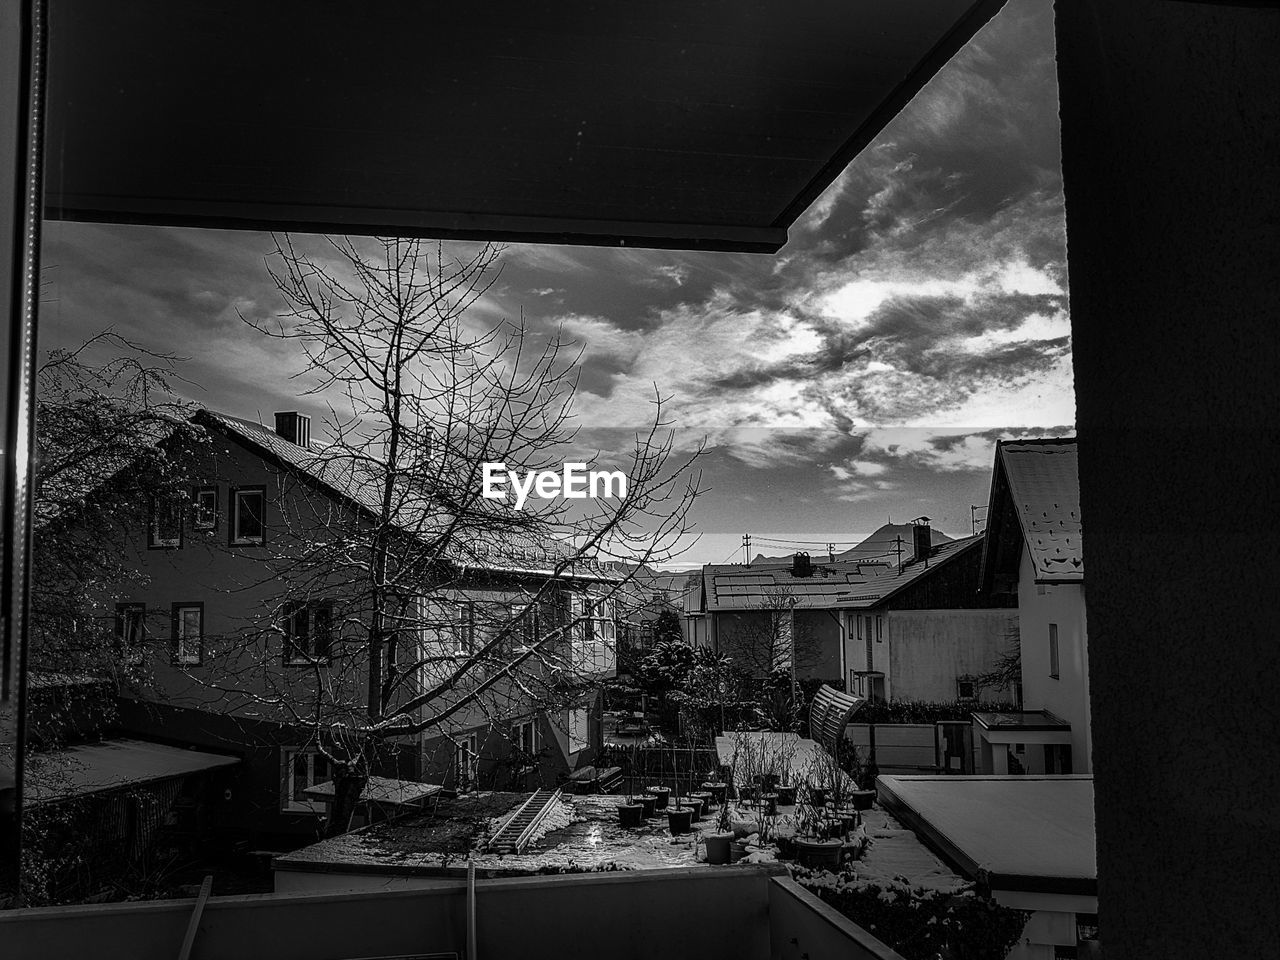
x=924, y=711
x=920, y=924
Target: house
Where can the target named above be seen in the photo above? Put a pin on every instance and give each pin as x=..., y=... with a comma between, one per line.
x=921, y=629
x=249, y=630
x=926, y=630
x=1033, y=554
x=1028, y=842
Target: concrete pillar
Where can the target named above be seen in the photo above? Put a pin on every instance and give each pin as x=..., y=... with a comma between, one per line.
x=1170, y=134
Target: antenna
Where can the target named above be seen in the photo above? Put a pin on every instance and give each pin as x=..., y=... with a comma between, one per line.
x=898, y=541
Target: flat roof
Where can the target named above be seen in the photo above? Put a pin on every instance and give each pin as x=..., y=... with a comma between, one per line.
x=708, y=125
x=98, y=767
x=1021, y=720
x=381, y=790
x=1032, y=833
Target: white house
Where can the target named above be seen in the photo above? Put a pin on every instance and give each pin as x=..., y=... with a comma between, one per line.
x=1034, y=550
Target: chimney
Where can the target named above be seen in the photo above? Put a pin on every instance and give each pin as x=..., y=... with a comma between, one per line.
x=294, y=427
x=801, y=565
x=921, y=539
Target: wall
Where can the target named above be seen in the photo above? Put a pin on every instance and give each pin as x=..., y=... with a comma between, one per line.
x=1068, y=695
x=930, y=649
x=817, y=644
x=636, y=914
x=1170, y=133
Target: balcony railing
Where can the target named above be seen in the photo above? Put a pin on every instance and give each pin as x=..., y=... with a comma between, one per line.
x=734, y=913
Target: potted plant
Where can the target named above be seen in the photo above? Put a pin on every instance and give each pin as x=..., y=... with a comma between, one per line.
x=718, y=843
x=660, y=795
x=815, y=847
x=630, y=812
x=786, y=761
x=861, y=798
x=679, y=817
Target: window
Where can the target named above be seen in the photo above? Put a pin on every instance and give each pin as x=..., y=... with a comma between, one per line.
x=466, y=762
x=601, y=634
x=879, y=629
x=204, y=509
x=248, y=516
x=131, y=631
x=524, y=738
x=579, y=735
x=301, y=770
x=188, y=633
x=871, y=662
x=165, y=529
x=966, y=688
x=464, y=628
x=1053, y=650
x=525, y=629
x=308, y=631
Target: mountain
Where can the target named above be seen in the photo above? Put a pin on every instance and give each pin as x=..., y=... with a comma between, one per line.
x=880, y=545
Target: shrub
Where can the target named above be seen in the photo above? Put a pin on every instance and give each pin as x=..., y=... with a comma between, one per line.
x=920, y=924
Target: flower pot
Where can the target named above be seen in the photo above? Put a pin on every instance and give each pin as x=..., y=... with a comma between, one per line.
x=786, y=847
x=817, y=796
x=747, y=794
x=630, y=814
x=694, y=805
x=648, y=801
x=862, y=799
x=718, y=846
x=718, y=789
x=787, y=796
x=679, y=819
x=768, y=781
x=818, y=854
x=737, y=850
x=707, y=798
x=770, y=801
x=660, y=795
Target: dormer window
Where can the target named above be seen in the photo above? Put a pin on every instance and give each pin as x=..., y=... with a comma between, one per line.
x=248, y=516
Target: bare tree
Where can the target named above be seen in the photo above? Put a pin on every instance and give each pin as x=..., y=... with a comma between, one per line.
x=422, y=601
x=101, y=408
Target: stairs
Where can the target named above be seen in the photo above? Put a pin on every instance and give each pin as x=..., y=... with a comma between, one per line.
x=513, y=836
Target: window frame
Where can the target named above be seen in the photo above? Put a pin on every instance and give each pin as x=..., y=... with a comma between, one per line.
x=154, y=540
x=133, y=654
x=973, y=688
x=1055, y=653
x=202, y=521
x=234, y=539
x=175, y=615
x=464, y=628
x=287, y=802
x=313, y=654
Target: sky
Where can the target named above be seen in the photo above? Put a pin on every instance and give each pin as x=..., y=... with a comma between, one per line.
x=863, y=373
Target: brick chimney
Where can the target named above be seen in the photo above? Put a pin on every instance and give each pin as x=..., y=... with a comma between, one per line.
x=921, y=539
x=294, y=427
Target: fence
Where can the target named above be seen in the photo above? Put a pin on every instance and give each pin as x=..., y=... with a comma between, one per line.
x=905, y=748
x=658, y=765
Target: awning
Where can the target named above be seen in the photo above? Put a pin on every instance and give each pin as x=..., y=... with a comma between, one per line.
x=99, y=767
x=401, y=793
x=665, y=124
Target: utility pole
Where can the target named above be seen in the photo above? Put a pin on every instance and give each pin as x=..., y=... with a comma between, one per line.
x=746, y=549
x=898, y=542
x=831, y=552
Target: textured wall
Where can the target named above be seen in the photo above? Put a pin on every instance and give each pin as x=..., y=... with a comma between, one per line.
x=1170, y=147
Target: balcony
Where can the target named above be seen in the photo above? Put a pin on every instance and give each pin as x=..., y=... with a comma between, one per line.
x=741, y=913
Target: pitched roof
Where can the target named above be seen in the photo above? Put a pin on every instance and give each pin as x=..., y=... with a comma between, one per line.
x=507, y=551
x=1044, y=486
x=845, y=583
x=891, y=583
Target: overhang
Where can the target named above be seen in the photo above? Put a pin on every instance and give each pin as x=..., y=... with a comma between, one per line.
x=707, y=125
x=111, y=765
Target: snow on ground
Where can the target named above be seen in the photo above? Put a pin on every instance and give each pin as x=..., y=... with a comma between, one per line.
x=896, y=856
